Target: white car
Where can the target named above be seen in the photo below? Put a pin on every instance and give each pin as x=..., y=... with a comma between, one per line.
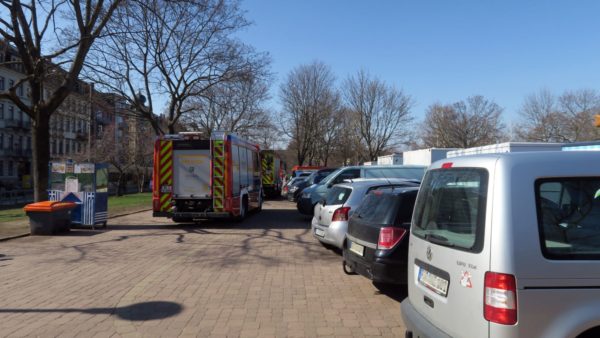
x=330, y=221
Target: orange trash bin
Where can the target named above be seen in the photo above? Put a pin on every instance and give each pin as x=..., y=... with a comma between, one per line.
x=49, y=217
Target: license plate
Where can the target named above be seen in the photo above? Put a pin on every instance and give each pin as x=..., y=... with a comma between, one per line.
x=357, y=248
x=432, y=282
x=319, y=232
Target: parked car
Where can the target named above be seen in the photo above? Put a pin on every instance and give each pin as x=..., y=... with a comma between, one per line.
x=506, y=245
x=310, y=197
x=377, y=239
x=314, y=178
x=286, y=187
x=330, y=221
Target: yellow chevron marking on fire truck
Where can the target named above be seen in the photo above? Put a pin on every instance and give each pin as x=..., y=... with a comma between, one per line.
x=218, y=175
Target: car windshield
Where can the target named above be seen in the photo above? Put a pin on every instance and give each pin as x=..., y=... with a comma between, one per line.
x=337, y=195
x=450, y=210
x=378, y=208
x=330, y=177
x=319, y=176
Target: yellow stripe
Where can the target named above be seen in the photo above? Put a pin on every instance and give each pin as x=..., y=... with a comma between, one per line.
x=165, y=206
x=164, y=178
x=165, y=159
x=166, y=147
x=166, y=167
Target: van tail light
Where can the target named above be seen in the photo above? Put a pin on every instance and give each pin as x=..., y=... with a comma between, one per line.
x=389, y=237
x=500, y=298
x=340, y=214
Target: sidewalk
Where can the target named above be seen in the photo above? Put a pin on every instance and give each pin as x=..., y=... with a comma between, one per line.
x=10, y=230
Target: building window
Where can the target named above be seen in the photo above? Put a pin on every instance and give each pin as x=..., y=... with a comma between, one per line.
x=10, y=168
x=11, y=83
x=19, y=115
x=11, y=112
x=60, y=147
x=29, y=143
x=1, y=111
x=20, y=90
x=1, y=168
x=2, y=83
x=10, y=142
x=1, y=141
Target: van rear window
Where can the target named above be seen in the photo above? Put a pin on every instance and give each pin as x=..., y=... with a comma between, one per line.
x=568, y=211
x=450, y=208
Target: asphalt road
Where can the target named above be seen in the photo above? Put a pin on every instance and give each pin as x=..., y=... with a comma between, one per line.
x=264, y=277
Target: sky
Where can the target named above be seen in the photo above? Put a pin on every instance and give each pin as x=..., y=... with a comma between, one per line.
x=436, y=51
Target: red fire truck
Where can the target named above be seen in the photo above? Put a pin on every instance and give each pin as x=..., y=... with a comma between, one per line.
x=196, y=177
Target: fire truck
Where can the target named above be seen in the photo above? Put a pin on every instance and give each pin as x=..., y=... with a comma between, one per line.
x=273, y=170
x=196, y=177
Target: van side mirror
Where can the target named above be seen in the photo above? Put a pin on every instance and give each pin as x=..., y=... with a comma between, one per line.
x=323, y=202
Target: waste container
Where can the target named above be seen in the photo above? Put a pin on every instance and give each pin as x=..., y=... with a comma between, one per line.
x=49, y=217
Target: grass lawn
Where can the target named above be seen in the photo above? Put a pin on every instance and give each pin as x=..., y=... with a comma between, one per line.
x=116, y=205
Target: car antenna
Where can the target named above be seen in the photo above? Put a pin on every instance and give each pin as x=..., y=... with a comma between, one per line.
x=390, y=183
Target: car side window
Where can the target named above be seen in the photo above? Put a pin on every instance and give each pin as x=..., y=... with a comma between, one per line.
x=347, y=175
x=568, y=211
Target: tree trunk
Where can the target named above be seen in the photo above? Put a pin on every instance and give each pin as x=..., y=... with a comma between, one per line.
x=120, y=184
x=40, y=136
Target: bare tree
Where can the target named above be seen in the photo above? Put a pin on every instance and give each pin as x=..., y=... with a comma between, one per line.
x=474, y=122
x=568, y=118
x=31, y=29
x=308, y=98
x=382, y=112
x=180, y=49
x=234, y=106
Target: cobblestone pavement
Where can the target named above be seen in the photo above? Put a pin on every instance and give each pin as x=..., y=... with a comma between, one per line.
x=264, y=277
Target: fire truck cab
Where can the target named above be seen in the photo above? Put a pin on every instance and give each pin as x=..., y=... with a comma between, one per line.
x=201, y=178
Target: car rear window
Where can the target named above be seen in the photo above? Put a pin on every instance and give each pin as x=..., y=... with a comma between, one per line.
x=568, y=211
x=337, y=195
x=408, y=173
x=378, y=208
x=450, y=208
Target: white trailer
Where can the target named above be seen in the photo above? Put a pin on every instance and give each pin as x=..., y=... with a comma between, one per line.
x=425, y=156
x=392, y=159
x=506, y=147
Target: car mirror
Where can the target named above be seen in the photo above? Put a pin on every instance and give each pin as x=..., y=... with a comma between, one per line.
x=323, y=202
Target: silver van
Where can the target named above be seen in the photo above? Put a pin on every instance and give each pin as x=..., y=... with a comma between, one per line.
x=506, y=245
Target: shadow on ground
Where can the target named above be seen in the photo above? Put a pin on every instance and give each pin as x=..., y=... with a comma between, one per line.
x=136, y=312
x=266, y=219
x=395, y=292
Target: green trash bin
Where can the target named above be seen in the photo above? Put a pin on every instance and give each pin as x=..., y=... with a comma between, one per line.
x=49, y=217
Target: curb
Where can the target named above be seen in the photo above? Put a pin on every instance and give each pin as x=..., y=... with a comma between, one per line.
x=2, y=239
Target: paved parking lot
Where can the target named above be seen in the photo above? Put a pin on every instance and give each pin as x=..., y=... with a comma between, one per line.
x=149, y=277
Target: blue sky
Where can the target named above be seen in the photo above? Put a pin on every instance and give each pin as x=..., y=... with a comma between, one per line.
x=436, y=51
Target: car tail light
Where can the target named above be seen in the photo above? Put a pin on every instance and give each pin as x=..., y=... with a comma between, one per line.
x=500, y=298
x=389, y=237
x=341, y=214
x=285, y=189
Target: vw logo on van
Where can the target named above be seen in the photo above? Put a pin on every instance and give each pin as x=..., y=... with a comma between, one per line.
x=429, y=254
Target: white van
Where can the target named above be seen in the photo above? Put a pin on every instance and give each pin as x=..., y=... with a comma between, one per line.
x=506, y=245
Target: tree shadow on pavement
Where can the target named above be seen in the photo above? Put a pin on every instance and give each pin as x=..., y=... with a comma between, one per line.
x=136, y=312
